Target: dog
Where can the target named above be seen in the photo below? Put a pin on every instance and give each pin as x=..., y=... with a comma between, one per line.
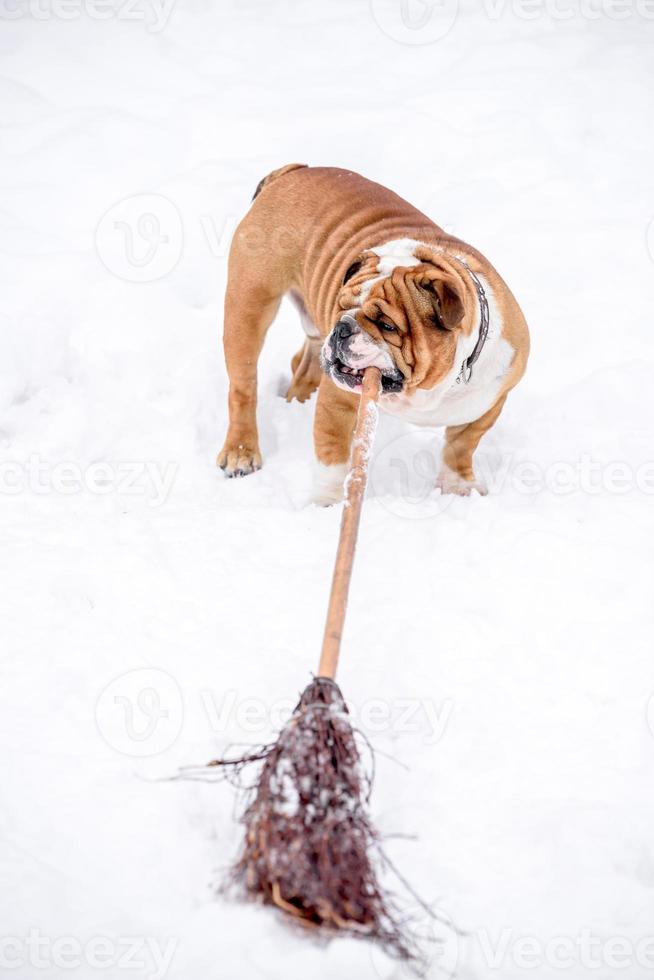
x=375, y=282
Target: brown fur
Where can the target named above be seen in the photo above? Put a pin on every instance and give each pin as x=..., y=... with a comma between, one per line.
x=307, y=228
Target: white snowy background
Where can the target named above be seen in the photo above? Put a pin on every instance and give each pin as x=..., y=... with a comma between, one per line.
x=498, y=650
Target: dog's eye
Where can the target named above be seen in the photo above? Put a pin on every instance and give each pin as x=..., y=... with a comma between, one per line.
x=387, y=325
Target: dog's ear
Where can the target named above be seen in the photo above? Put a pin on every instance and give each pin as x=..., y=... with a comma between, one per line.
x=352, y=270
x=449, y=306
x=444, y=288
x=447, y=303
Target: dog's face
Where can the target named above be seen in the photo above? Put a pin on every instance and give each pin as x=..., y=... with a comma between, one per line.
x=407, y=323
x=350, y=349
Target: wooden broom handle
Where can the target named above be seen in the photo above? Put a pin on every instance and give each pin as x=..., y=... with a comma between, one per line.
x=355, y=488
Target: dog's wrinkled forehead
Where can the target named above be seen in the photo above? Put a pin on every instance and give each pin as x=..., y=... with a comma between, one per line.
x=374, y=265
x=410, y=279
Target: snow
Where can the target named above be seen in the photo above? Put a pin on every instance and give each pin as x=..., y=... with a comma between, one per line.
x=498, y=649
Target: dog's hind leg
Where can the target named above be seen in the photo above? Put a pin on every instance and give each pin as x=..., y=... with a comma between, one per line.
x=249, y=311
x=456, y=473
x=306, y=371
x=263, y=263
x=305, y=365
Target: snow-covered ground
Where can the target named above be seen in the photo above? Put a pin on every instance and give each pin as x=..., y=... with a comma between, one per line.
x=498, y=649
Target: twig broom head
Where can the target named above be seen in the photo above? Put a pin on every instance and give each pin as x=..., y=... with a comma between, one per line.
x=308, y=838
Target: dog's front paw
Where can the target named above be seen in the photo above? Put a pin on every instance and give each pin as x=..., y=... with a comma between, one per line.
x=238, y=460
x=448, y=481
x=328, y=484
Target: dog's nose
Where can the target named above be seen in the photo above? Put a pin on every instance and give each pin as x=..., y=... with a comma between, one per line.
x=344, y=329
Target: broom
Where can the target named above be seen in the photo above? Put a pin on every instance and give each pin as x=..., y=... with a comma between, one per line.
x=308, y=837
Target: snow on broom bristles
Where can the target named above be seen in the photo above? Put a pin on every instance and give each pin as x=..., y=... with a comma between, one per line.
x=308, y=838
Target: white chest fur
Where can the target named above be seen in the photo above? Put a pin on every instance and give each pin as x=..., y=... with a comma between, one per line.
x=450, y=403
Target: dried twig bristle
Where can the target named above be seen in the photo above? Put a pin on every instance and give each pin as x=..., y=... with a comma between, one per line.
x=308, y=837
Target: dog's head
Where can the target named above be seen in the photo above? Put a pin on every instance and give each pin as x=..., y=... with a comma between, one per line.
x=406, y=319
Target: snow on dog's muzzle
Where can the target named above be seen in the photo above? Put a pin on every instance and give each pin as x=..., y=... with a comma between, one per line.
x=349, y=350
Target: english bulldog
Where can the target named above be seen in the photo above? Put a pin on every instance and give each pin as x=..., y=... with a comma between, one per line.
x=375, y=282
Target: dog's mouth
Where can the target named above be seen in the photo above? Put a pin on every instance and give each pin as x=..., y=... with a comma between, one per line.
x=352, y=377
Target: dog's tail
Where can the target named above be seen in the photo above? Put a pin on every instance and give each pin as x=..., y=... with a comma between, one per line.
x=275, y=174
